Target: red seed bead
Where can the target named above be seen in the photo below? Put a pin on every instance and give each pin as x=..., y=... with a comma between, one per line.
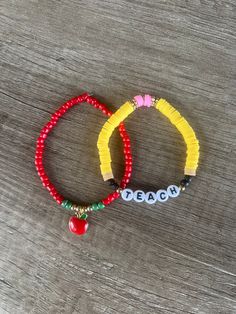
x=125, y=180
x=128, y=163
x=52, y=193
x=39, y=152
x=123, y=185
x=38, y=160
x=43, y=135
x=128, y=157
x=41, y=172
x=127, y=151
x=59, y=200
x=50, y=187
x=38, y=163
x=116, y=194
x=128, y=168
x=54, y=117
x=127, y=145
x=106, y=201
x=127, y=175
x=45, y=130
x=40, y=140
x=44, y=177
x=39, y=146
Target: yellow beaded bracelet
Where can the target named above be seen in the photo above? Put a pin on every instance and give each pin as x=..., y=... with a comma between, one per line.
x=171, y=113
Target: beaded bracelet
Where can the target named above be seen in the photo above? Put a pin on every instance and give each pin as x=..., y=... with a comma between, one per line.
x=78, y=223
x=177, y=120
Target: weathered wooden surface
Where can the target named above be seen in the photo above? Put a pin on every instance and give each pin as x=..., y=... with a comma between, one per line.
x=178, y=257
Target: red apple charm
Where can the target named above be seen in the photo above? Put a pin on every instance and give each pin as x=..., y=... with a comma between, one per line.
x=78, y=226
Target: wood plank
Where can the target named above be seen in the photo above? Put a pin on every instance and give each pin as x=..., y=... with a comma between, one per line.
x=177, y=257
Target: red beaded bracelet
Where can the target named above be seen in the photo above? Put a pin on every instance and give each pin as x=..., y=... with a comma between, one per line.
x=78, y=223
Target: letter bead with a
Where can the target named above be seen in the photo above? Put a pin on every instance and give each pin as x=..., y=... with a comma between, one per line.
x=150, y=198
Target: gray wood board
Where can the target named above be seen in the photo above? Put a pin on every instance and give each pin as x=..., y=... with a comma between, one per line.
x=177, y=257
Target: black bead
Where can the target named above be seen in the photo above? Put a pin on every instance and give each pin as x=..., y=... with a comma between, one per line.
x=113, y=184
x=184, y=182
x=188, y=178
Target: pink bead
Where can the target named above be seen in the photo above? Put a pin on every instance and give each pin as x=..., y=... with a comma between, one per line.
x=147, y=100
x=139, y=100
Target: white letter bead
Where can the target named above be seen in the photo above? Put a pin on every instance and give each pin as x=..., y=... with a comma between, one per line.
x=173, y=190
x=162, y=196
x=150, y=197
x=139, y=196
x=127, y=194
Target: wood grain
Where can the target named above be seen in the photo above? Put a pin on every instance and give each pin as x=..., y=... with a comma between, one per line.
x=178, y=257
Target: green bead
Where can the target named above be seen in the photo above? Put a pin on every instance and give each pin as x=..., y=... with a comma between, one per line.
x=84, y=216
x=94, y=206
x=66, y=204
x=69, y=205
x=101, y=205
x=63, y=204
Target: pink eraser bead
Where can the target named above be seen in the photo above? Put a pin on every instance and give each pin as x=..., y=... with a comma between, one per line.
x=147, y=100
x=139, y=100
